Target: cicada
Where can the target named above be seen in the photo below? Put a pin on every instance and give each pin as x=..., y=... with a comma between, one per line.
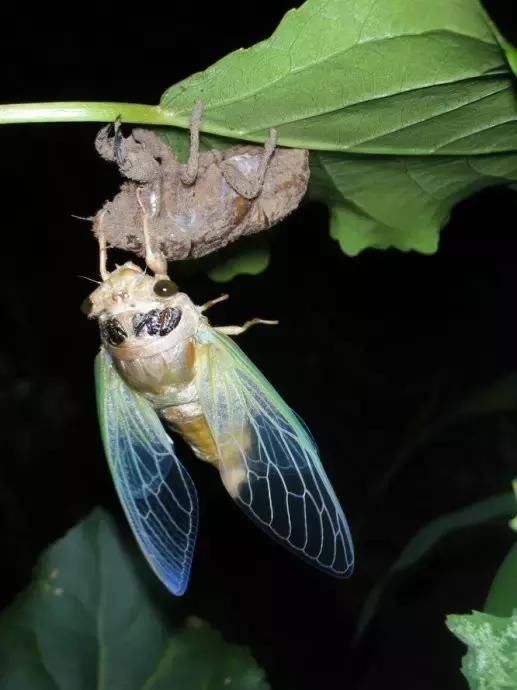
x=161, y=364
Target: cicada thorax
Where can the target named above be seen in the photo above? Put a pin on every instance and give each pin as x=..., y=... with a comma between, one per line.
x=159, y=376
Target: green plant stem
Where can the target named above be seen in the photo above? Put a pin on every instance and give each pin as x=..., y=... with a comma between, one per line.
x=134, y=113
x=94, y=111
x=80, y=111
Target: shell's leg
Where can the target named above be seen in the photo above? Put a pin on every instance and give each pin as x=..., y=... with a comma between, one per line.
x=189, y=171
x=250, y=186
x=109, y=142
x=118, y=142
x=237, y=330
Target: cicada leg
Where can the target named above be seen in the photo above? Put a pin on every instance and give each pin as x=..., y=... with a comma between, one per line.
x=237, y=330
x=154, y=259
x=211, y=302
x=103, y=249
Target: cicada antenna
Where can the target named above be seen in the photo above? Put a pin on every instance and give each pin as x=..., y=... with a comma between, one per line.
x=88, y=218
x=155, y=260
x=91, y=280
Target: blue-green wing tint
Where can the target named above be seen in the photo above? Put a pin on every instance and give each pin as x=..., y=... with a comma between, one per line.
x=269, y=463
x=157, y=494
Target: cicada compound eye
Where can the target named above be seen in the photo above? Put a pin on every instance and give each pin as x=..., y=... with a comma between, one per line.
x=165, y=288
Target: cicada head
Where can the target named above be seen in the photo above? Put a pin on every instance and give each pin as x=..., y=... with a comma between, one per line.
x=127, y=288
x=139, y=314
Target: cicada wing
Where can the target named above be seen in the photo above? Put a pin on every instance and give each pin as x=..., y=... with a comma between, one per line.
x=269, y=462
x=157, y=494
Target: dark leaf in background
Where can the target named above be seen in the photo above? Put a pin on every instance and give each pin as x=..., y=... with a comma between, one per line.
x=89, y=620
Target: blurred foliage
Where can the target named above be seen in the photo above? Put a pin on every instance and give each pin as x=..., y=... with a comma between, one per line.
x=243, y=261
x=513, y=521
x=502, y=597
x=493, y=399
x=93, y=617
x=426, y=539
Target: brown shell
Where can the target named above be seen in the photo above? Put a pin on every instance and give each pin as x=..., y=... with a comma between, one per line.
x=191, y=221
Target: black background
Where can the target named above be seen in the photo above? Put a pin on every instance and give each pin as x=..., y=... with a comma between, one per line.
x=368, y=350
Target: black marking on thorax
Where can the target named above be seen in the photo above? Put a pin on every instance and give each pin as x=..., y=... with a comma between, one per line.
x=112, y=331
x=156, y=322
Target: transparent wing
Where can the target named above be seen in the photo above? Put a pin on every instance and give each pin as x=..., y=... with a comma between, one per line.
x=156, y=492
x=269, y=462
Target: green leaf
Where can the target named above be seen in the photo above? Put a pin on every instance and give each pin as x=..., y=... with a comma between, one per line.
x=491, y=660
x=92, y=618
x=426, y=539
x=511, y=54
x=248, y=262
x=408, y=106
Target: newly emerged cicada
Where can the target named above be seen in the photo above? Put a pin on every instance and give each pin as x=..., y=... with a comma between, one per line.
x=162, y=361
